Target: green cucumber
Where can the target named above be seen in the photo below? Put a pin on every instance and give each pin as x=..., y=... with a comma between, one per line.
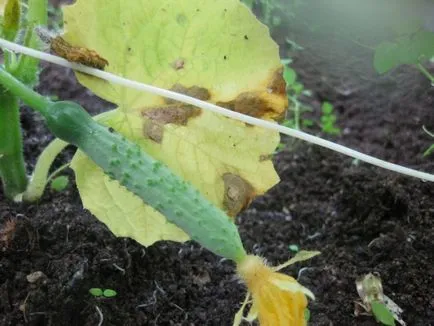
x=152, y=181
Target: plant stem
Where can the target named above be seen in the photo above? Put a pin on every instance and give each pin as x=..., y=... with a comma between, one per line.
x=12, y=168
x=296, y=110
x=39, y=179
x=33, y=99
x=37, y=15
x=424, y=71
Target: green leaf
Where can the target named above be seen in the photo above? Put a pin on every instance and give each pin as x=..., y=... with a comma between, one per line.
x=297, y=88
x=408, y=49
x=382, y=314
x=307, y=122
x=289, y=75
x=307, y=314
x=207, y=49
x=109, y=293
x=327, y=108
x=59, y=183
x=294, y=248
x=96, y=292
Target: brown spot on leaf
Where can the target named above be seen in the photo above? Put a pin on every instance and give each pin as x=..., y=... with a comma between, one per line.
x=198, y=92
x=253, y=104
x=77, y=54
x=157, y=117
x=238, y=194
x=277, y=83
x=153, y=131
x=178, y=64
x=270, y=103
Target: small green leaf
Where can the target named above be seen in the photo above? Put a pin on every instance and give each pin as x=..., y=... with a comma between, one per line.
x=382, y=314
x=307, y=122
x=307, y=314
x=327, y=108
x=289, y=75
x=294, y=248
x=96, y=292
x=109, y=293
x=297, y=88
x=59, y=183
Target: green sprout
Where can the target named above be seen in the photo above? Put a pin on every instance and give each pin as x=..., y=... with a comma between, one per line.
x=106, y=293
x=430, y=149
x=294, y=90
x=328, y=119
x=59, y=183
x=294, y=248
x=375, y=302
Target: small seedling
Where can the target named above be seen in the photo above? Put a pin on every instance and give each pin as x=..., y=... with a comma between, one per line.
x=328, y=119
x=106, y=293
x=59, y=183
x=430, y=149
x=294, y=248
x=294, y=90
x=375, y=302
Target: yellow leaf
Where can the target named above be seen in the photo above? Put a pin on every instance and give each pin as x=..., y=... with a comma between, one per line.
x=213, y=50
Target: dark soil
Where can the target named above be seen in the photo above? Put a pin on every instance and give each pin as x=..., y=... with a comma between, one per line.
x=362, y=218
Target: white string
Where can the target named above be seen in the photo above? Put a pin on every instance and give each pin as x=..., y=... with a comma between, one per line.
x=217, y=109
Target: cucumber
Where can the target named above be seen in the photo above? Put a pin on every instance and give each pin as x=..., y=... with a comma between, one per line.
x=152, y=181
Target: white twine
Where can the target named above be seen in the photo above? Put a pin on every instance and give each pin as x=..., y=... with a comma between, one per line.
x=217, y=109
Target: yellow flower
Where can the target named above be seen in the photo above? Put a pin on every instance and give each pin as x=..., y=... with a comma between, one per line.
x=278, y=299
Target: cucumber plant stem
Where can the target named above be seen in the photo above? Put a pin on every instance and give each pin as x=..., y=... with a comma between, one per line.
x=27, y=95
x=12, y=168
x=40, y=177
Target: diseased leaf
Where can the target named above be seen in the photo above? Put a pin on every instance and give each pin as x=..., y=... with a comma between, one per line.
x=203, y=48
